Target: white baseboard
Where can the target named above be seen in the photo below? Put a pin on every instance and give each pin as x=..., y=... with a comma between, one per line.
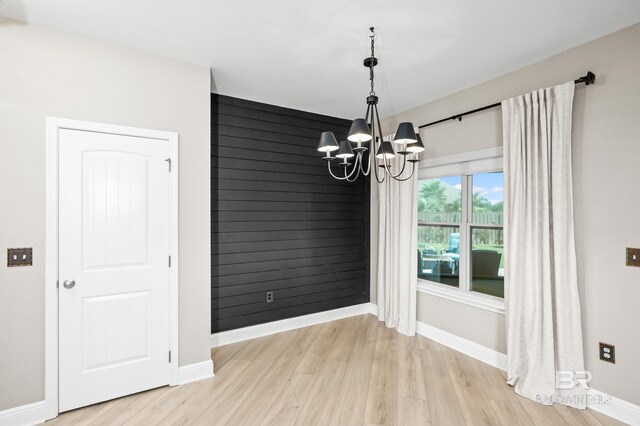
x=34, y=413
x=372, y=308
x=29, y=414
x=260, y=330
x=613, y=407
x=194, y=372
x=601, y=402
x=460, y=344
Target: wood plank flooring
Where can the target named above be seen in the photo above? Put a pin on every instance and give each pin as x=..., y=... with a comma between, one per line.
x=349, y=372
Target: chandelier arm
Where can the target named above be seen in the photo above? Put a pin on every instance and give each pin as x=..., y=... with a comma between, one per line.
x=331, y=172
x=404, y=164
x=358, y=168
x=374, y=145
x=397, y=177
x=375, y=169
x=378, y=122
x=366, y=116
x=387, y=167
x=413, y=169
x=384, y=160
x=366, y=173
x=360, y=161
x=355, y=166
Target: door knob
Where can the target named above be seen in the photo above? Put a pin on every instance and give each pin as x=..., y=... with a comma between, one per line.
x=69, y=283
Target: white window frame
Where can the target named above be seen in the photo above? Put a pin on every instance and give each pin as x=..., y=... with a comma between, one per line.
x=464, y=165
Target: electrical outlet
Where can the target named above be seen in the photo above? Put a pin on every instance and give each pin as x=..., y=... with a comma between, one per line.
x=633, y=256
x=608, y=353
x=269, y=296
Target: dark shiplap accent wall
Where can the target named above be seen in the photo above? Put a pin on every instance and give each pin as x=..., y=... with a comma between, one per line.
x=279, y=221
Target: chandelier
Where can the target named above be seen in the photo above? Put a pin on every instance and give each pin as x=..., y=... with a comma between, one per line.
x=368, y=131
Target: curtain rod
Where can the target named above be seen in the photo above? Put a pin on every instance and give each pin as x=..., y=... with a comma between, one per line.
x=587, y=80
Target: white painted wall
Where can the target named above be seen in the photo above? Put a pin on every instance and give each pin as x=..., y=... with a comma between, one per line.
x=47, y=73
x=606, y=170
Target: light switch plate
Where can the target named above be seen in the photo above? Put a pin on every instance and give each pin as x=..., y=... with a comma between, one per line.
x=19, y=257
x=633, y=256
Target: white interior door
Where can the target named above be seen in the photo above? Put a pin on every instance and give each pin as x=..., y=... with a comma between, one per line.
x=114, y=229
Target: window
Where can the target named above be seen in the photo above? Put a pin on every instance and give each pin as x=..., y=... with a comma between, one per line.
x=460, y=232
x=439, y=220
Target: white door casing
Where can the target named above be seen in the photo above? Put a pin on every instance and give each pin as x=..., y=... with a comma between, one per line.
x=117, y=228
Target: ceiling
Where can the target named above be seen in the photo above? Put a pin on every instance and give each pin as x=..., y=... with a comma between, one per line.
x=308, y=54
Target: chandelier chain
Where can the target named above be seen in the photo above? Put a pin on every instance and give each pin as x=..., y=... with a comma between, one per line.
x=372, y=37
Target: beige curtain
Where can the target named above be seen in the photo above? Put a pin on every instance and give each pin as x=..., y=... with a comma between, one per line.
x=396, y=227
x=544, y=332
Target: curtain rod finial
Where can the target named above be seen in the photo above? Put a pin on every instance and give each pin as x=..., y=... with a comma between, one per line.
x=590, y=78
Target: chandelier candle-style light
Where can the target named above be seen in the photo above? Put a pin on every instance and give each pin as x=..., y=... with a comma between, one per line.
x=366, y=131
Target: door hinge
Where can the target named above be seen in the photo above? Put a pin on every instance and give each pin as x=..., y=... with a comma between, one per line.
x=168, y=160
x=58, y=284
x=169, y=357
x=169, y=261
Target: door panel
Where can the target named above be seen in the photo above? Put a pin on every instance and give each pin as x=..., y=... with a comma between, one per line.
x=115, y=214
x=115, y=329
x=114, y=244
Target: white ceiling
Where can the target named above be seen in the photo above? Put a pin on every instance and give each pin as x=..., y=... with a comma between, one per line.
x=308, y=54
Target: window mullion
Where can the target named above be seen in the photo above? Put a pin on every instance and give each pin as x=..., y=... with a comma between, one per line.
x=462, y=251
x=469, y=244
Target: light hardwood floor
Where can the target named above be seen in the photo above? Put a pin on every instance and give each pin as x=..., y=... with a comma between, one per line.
x=349, y=372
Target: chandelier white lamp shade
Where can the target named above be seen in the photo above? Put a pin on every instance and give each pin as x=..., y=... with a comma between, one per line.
x=365, y=147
